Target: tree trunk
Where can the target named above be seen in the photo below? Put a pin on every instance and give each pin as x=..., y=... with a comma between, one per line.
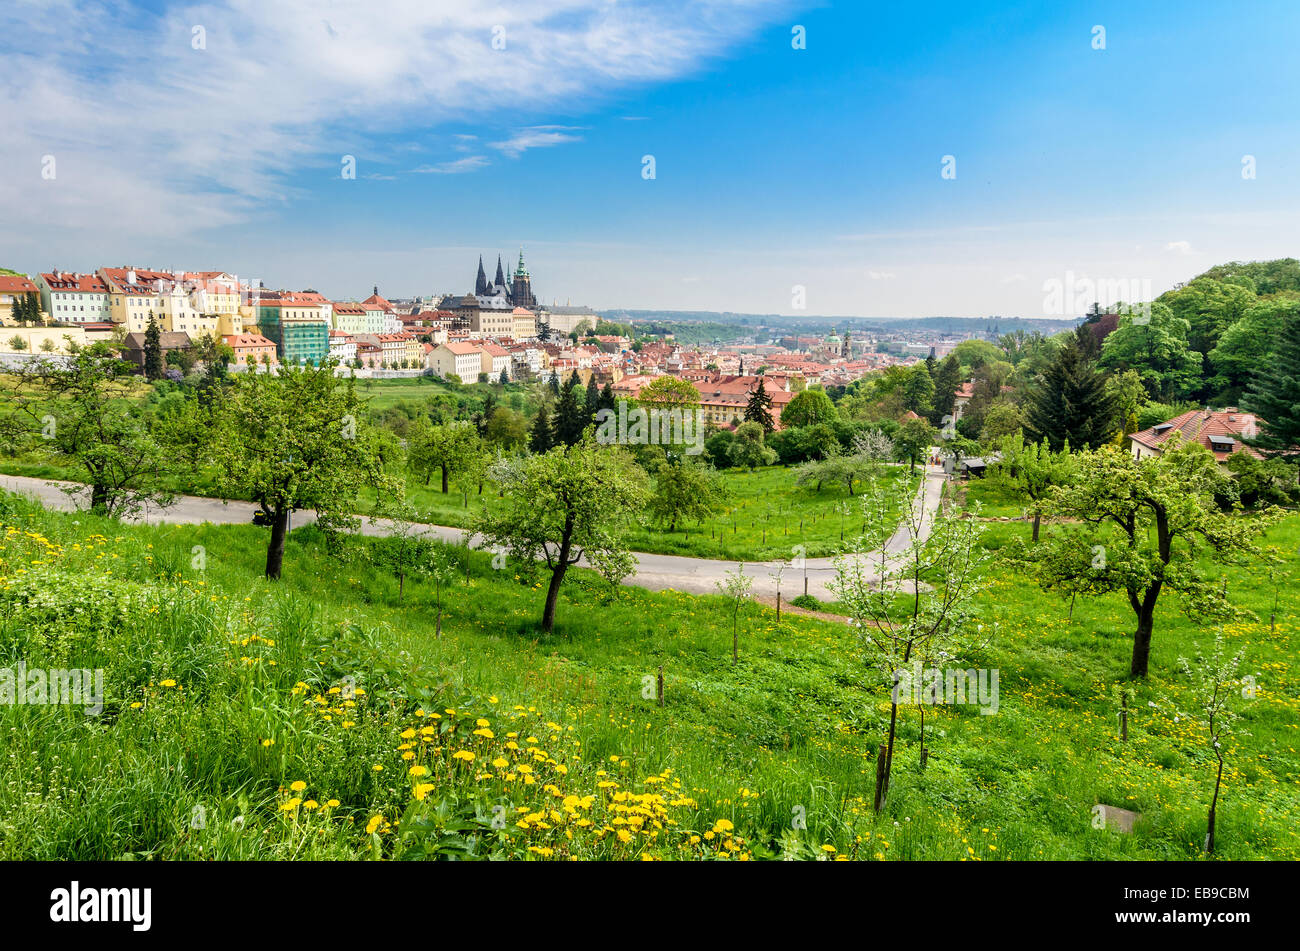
x=557, y=577
x=1038, y=518
x=1146, y=610
x=275, y=551
x=1214, y=808
x=99, y=499
x=444, y=480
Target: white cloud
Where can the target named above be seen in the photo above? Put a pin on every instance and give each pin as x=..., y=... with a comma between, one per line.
x=158, y=137
x=1179, y=247
x=542, y=136
x=454, y=167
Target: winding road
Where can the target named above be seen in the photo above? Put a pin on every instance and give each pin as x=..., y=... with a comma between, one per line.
x=654, y=572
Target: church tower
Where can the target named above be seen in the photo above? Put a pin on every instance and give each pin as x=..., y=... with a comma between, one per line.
x=480, y=282
x=501, y=275
x=521, y=292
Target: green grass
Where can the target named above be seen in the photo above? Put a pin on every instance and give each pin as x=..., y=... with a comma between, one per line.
x=766, y=517
x=792, y=727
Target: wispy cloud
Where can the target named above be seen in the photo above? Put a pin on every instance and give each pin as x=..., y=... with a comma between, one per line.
x=536, y=137
x=455, y=167
x=203, y=115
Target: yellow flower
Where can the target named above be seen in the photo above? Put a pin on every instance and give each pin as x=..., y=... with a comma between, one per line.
x=500, y=762
x=377, y=768
x=166, y=683
x=297, y=785
x=419, y=771
x=465, y=755
x=374, y=824
x=311, y=804
x=422, y=790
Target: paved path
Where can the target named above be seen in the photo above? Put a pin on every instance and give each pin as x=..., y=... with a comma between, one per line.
x=654, y=572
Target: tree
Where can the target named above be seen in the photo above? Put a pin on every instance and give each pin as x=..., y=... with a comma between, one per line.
x=1148, y=525
x=685, y=490
x=1002, y=419
x=448, y=449
x=1154, y=345
x=913, y=441
x=947, y=379
x=809, y=408
x=563, y=505
x=153, y=359
x=914, y=604
x=571, y=417
x=1275, y=394
x=82, y=411
x=918, y=390
x=1033, y=470
x=1214, y=680
x=505, y=376
x=293, y=440
x=759, y=408
x=737, y=588
x=974, y=353
x=18, y=343
x=1249, y=345
x=506, y=428
x=541, y=437
x=1069, y=403
x=748, y=450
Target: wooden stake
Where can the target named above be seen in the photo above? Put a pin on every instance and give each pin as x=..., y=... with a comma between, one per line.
x=880, y=778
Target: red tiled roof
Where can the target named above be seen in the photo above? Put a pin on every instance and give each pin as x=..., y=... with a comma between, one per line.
x=16, y=284
x=1200, y=425
x=83, y=283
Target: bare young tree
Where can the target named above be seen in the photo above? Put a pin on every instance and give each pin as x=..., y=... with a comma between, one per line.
x=736, y=587
x=1214, y=681
x=913, y=602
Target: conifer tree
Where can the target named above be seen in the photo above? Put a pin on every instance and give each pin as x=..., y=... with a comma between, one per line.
x=1070, y=403
x=153, y=359
x=759, y=408
x=542, y=437
x=1275, y=394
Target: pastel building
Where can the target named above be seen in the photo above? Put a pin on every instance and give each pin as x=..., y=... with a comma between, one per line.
x=73, y=298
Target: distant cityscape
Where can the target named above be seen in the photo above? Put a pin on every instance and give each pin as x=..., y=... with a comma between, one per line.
x=501, y=331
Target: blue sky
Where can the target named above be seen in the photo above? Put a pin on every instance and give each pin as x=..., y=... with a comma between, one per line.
x=776, y=168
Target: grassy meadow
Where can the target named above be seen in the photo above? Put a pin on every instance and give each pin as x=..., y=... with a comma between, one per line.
x=318, y=717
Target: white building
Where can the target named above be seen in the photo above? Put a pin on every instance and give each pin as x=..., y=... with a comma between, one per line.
x=74, y=298
x=465, y=360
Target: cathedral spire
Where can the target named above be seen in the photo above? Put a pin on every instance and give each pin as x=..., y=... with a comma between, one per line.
x=501, y=274
x=480, y=282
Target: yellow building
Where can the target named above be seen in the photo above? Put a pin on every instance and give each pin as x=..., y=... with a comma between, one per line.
x=134, y=293
x=13, y=287
x=525, y=323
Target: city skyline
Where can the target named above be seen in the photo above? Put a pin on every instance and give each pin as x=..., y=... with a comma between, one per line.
x=220, y=137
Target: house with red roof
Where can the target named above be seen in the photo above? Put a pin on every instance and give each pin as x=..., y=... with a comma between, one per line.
x=1220, y=431
x=13, y=287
